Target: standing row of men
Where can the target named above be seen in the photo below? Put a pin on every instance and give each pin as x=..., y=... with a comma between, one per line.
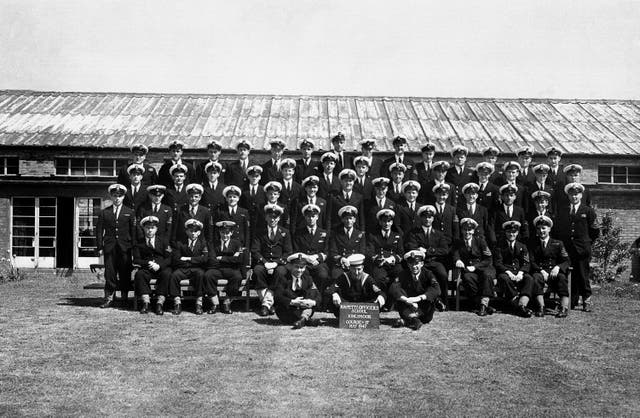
x=336, y=214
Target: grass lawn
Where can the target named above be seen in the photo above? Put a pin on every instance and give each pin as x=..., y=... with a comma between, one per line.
x=61, y=355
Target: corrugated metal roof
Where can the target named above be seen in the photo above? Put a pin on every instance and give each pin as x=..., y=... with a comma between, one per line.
x=31, y=118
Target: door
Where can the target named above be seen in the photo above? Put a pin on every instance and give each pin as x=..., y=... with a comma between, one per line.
x=87, y=210
x=33, y=230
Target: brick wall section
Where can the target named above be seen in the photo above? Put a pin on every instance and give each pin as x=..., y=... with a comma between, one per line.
x=626, y=208
x=5, y=221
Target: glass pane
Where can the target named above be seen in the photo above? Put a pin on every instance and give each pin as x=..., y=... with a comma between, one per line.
x=604, y=174
x=106, y=167
x=86, y=252
x=22, y=242
x=47, y=232
x=47, y=211
x=62, y=166
x=23, y=231
x=24, y=251
x=77, y=167
x=24, y=211
x=86, y=229
x=634, y=174
x=47, y=252
x=24, y=201
x=92, y=167
x=46, y=242
x=48, y=201
x=47, y=221
x=12, y=166
x=22, y=221
x=88, y=242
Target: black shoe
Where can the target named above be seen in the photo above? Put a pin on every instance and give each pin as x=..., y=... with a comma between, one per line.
x=440, y=306
x=124, y=303
x=226, y=308
x=482, y=311
x=540, y=313
x=107, y=303
x=562, y=313
x=212, y=310
x=313, y=322
x=299, y=323
x=272, y=310
x=199, y=310
x=159, y=310
x=264, y=311
x=490, y=310
x=398, y=323
x=524, y=312
x=145, y=308
x=177, y=309
x=416, y=323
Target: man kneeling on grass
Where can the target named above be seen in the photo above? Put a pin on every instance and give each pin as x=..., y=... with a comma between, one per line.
x=354, y=286
x=415, y=292
x=296, y=295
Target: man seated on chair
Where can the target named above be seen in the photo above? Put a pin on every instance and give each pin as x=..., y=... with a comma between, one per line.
x=354, y=286
x=435, y=248
x=269, y=251
x=225, y=262
x=189, y=260
x=346, y=240
x=415, y=292
x=512, y=266
x=549, y=265
x=296, y=295
x=473, y=257
x=153, y=256
x=313, y=241
x=384, y=246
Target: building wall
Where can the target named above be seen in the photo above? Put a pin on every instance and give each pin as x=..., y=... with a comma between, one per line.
x=5, y=222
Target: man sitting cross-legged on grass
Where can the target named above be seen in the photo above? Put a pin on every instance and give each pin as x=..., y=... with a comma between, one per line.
x=549, y=264
x=269, y=251
x=512, y=265
x=225, y=260
x=296, y=295
x=354, y=286
x=472, y=255
x=189, y=260
x=415, y=292
x=153, y=255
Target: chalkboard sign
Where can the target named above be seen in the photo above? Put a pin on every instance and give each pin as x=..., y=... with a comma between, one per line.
x=359, y=315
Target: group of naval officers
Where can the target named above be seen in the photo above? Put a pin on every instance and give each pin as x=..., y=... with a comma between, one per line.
x=349, y=228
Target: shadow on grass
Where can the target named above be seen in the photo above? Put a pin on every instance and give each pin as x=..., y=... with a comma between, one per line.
x=84, y=302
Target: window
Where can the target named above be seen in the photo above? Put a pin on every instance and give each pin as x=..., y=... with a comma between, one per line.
x=88, y=209
x=619, y=174
x=100, y=167
x=9, y=166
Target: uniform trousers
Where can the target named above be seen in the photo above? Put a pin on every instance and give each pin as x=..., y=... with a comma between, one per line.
x=509, y=289
x=117, y=270
x=477, y=284
x=559, y=284
x=580, y=285
x=264, y=280
x=144, y=276
x=442, y=277
x=214, y=275
x=290, y=314
x=424, y=311
x=195, y=276
x=384, y=276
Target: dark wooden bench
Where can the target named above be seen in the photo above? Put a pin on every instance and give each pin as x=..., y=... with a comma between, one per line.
x=186, y=291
